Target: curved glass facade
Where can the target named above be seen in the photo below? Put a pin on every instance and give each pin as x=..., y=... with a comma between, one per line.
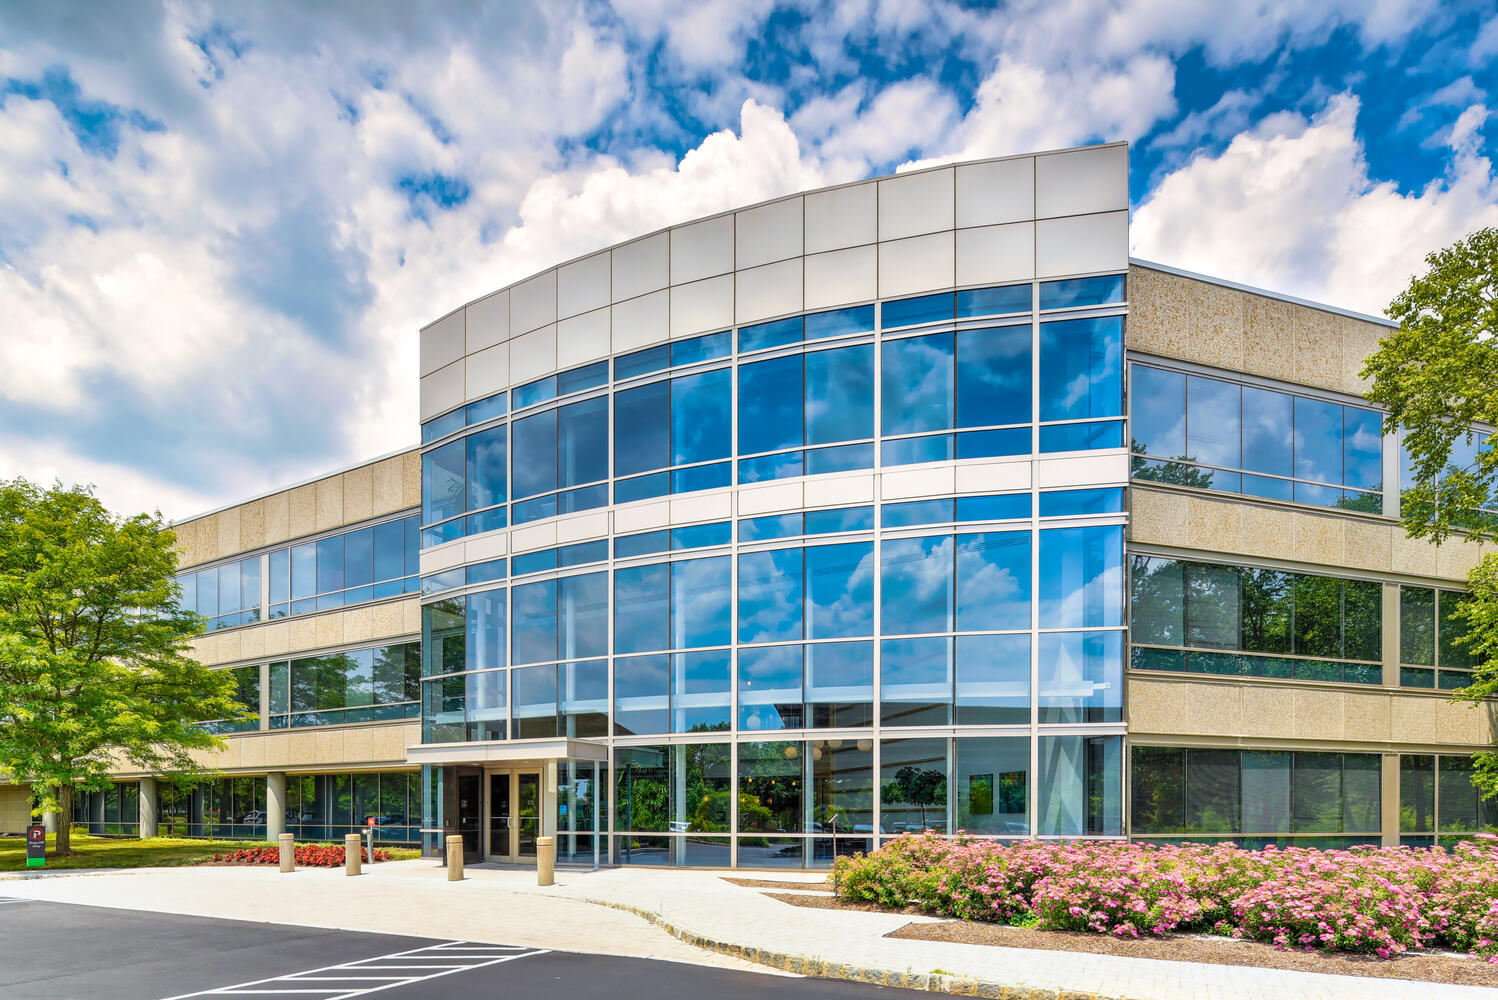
x=777, y=687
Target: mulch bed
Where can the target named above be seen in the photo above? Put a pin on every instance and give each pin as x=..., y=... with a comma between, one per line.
x=760, y=883
x=1423, y=967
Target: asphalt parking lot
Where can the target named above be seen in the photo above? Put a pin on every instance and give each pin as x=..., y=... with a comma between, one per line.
x=67, y=952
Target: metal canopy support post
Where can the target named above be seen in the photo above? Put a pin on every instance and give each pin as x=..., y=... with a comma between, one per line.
x=597, y=768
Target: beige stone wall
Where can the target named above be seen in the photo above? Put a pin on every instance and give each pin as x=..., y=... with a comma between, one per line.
x=292, y=636
x=1192, y=320
x=1236, y=527
x=1196, y=710
x=374, y=746
x=372, y=490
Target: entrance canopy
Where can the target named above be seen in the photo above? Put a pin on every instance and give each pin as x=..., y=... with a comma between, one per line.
x=507, y=752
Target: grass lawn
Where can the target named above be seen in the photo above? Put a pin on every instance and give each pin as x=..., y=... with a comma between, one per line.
x=158, y=852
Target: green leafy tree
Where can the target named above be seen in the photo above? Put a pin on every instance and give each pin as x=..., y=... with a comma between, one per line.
x=93, y=649
x=922, y=787
x=1438, y=375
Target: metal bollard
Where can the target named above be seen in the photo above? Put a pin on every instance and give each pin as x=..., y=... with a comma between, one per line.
x=546, y=860
x=288, y=852
x=455, y=859
x=351, y=851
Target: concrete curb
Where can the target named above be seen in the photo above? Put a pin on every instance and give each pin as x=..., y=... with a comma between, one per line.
x=810, y=965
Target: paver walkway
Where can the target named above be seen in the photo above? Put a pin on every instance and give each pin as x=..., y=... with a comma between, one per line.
x=505, y=905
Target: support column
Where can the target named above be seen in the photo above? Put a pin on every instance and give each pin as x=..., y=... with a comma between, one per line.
x=1389, y=800
x=275, y=805
x=49, y=821
x=548, y=825
x=1390, y=651
x=150, y=808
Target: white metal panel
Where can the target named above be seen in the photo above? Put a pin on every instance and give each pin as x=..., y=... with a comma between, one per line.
x=702, y=249
x=703, y=507
x=641, y=266
x=770, y=290
x=838, y=491
x=441, y=557
x=584, y=285
x=913, y=204
x=702, y=306
x=769, y=499
x=533, y=354
x=489, y=545
x=1082, y=181
x=577, y=527
x=995, y=254
x=584, y=338
x=843, y=217
x=995, y=477
x=443, y=342
x=642, y=517
x=930, y=482
x=533, y=536
x=768, y=233
x=441, y=390
x=642, y=321
x=996, y=192
x=488, y=371
x=488, y=321
x=842, y=276
x=1081, y=244
x=533, y=302
x=1082, y=470
x=918, y=264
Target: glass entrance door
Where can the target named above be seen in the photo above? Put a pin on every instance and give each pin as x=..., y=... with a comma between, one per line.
x=500, y=816
x=514, y=815
x=527, y=813
x=469, y=785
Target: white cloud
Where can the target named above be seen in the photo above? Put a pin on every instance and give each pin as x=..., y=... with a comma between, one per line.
x=1290, y=205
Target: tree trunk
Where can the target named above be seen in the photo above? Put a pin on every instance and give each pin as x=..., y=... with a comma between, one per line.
x=64, y=845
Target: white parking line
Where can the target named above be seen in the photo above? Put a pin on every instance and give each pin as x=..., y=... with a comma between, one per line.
x=416, y=965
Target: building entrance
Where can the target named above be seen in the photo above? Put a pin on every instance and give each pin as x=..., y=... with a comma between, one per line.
x=514, y=815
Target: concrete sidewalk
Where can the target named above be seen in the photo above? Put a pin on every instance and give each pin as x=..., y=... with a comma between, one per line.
x=724, y=921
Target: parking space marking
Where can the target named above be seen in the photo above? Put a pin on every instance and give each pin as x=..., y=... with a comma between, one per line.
x=369, y=975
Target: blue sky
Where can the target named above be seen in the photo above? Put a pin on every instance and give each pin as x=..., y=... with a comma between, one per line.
x=222, y=225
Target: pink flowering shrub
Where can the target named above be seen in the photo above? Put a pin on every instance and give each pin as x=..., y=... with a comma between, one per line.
x=1380, y=900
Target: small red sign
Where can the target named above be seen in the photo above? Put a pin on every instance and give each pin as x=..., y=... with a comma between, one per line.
x=369, y=820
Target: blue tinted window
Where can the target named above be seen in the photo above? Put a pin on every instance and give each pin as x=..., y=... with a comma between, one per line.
x=1060, y=503
x=1082, y=292
x=487, y=409
x=280, y=570
x=642, y=695
x=534, y=630
x=652, y=359
x=587, y=377
x=582, y=553
x=918, y=384
x=994, y=508
x=535, y=454
x=583, y=443
x=583, y=604
x=1081, y=677
x=701, y=417
x=303, y=573
x=329, y=567
x=642, y=488
x=1080, y=369
x=993, y=376
x=642, y=608
x=840, y=684
x=770, y=410
x=358, y=560
x=770, y=596
x=701, y=477
x=700, y=602
x=1318, y=440
x=1362, y=443
x=839, y=402
x=843, y=458
x=494, y=569
x=642, y=429
x=1213, y=430
x=485, y=645
x=993, y=680
x=1081, y=577
x=916, y=585
x=925, y=309
x=1268, y=432
x=489, y=520
x=486, y=467
x=770, y=688
x=1157, y=404
x=915, y=677
x=755, y=470
x=840, y=322
x=701, y=683
x=775, y=526
x=912, y=451
x=993, y=444
x=904, y=515
x=535, y=708
x=442, y=581
x=389, y=554
x=442, y=479
x=689, y=352
x=442, y=426
x=772, y=334
x=701, y=535
x=821, y=522
x=535, y=392
x=228, y=583
x=840, y=591
x=993, y=581
x=641, y=544
x=1081, y=437
x=993, y=301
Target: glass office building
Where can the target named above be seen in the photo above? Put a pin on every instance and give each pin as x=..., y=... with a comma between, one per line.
x=910, y=504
